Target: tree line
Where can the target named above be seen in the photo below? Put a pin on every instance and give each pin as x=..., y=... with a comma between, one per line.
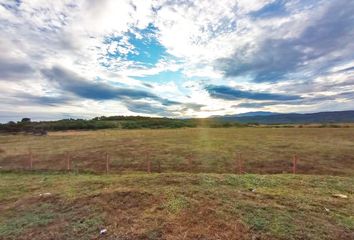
x=103, y=122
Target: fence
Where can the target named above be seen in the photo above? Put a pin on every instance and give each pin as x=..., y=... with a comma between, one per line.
x=102, y=162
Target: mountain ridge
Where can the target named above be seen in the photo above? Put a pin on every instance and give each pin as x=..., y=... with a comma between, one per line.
x=292, y=118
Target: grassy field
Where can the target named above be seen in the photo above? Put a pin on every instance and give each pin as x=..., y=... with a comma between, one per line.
x=174, y=206
x=196, y=195
x=198, y=150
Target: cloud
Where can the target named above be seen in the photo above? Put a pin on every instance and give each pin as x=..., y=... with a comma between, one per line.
x=304, y=101
x=134, y=100
x=228, y=93
x=193, y=106
x=317, y=48
x=7, y=116
x=13, y=69
x=274, y=60
x=44, y=100
x=148, y=108
x=348, y=69
x=148, y=85
x=120, y=51
x=73, y=83
x=160, y=110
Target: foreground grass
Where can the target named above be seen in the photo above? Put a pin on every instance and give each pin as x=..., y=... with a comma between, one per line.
x=175, y=206
x=200, y=150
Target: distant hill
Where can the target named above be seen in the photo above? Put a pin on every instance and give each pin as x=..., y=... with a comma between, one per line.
x=252, y=114
x=291, y=118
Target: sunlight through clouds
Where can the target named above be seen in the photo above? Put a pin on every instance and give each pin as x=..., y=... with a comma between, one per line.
x=175, y=58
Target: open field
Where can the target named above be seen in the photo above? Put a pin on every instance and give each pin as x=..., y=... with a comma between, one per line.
x=41, y=206
x=198, y=150
x=196, y=195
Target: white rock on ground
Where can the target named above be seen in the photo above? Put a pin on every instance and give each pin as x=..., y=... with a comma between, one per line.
x=338, y=195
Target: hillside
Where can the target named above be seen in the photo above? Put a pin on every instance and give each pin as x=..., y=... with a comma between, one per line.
x=292, y=118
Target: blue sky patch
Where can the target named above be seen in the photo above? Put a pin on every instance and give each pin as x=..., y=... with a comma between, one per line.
x=147, y=51
x=166, y=76
x=276, y=8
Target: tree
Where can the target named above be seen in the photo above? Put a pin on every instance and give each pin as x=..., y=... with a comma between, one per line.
x=26, y=120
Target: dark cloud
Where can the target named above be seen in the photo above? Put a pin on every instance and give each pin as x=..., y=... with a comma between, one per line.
x=306, y=101
x=167, y=102
x=148, y=85
x=274, y=60
x=228, y=93
x=277, y=59
x=71, y=82
x=151, y=108
x=348, y=69
x=44, y=100
x=12, y=69
x=29, y=100
x=147, y=108
x=347, y=95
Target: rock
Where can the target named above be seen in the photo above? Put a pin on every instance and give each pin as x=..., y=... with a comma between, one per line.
x=103, y=231
x=338, y=195
x=326, y=209
x=252, y=190
x=45, y=194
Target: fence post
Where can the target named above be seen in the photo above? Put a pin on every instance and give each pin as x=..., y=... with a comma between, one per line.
x=30, y=158
x=107, y=162
x=158, y=166
x=68, y=162
x=295, y=159
x=148, y=166
x=239, y=164
x=190, y=162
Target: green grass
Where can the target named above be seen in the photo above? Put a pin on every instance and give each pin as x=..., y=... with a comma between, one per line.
x=175, y=205
x=15, y=225
x=87, y=226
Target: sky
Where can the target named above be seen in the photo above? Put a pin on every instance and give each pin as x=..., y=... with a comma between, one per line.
x=174, y=58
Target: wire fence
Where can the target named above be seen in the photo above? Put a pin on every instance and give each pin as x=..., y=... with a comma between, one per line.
x=104, y=162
